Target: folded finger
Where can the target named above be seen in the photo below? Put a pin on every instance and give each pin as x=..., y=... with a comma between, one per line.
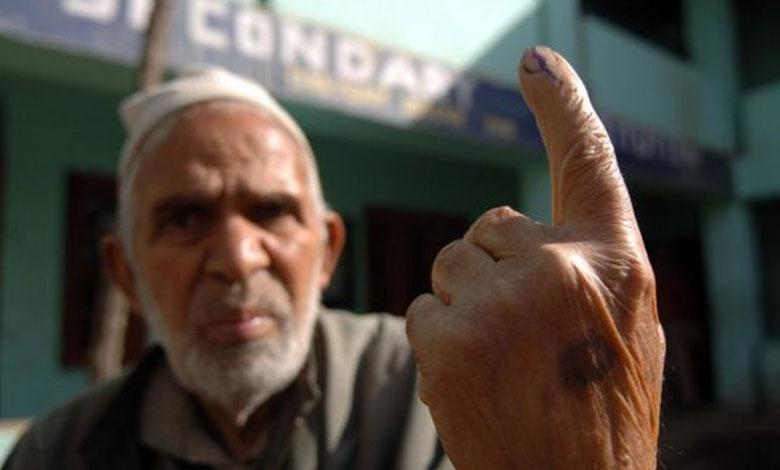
x=457, y=268
x=503, y=232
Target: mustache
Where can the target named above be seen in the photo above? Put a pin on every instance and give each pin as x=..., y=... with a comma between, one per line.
x=265, y=300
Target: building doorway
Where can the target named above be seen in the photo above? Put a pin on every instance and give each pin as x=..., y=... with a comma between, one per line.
x=401, y=248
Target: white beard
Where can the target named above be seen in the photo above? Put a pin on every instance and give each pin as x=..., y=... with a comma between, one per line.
x=239, y=377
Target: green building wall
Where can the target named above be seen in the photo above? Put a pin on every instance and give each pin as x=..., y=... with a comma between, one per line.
x=59, y=115
x=51, y=130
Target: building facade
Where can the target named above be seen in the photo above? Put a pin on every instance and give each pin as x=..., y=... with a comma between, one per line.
x=415, y=116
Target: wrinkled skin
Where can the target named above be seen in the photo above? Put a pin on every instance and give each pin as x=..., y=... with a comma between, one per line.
x=540, y=346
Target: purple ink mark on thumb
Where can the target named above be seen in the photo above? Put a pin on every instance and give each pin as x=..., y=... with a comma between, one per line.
x=536, y=60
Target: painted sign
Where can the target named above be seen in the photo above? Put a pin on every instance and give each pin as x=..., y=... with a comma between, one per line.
x=305, y=62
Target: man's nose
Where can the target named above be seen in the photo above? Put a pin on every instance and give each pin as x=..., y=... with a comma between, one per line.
x=238, y=250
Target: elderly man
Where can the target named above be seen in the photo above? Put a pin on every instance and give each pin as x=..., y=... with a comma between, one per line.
x=539, y=347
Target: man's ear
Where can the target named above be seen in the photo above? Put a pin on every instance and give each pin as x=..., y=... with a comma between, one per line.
x=334, y=243
x=118, y=267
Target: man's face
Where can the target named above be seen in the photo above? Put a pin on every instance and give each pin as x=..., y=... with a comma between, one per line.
x=229, y=253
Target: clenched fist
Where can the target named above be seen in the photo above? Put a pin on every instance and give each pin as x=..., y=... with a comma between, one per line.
x=540, y=347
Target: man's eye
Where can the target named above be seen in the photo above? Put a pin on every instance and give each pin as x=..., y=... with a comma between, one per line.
x=187, y=219
x=272, y=212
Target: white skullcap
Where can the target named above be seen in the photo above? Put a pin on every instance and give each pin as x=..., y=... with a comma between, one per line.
x=144, y=110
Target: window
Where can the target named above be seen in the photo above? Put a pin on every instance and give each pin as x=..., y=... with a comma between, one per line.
x=402, y=246
x=91, y=208
x=759, y=47
x=768, y=231
x=659, y=22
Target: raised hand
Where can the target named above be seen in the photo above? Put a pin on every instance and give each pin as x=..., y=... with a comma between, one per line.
x=540, y=346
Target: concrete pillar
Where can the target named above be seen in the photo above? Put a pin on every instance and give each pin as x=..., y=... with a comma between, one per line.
x=731, y=264
x=560, y=29
x=710, y=34
x=534, y=189
x=728, y=228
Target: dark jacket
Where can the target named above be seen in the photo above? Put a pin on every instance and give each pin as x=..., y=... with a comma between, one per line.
x=366, y=416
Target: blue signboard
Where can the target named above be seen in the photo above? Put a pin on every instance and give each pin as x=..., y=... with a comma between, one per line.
x=309, y=63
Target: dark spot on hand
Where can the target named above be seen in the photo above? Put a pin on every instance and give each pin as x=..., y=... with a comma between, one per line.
x=586, y=363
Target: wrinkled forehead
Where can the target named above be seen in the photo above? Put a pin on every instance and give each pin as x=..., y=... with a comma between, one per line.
x=229, y=136
x=210, y=121
x=241, y=127
x=138, y=146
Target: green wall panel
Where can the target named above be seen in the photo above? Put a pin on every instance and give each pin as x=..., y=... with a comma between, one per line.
x=52, y=130
x=48, y=132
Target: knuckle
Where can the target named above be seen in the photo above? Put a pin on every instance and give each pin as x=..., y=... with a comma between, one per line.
x=446, y=259
x=419, y=307
x=644, y=273
x=638, y=278
x=493, y=217
x=448, y=252
x=416, y=306
x=501, y=214
x=504, y=225
x=554, y=256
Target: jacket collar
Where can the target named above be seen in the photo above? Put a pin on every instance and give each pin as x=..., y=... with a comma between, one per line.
x=113, y=442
